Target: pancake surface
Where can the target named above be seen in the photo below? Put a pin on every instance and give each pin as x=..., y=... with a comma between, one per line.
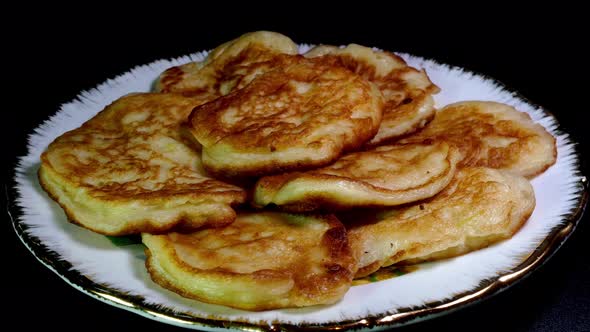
x=261, y=261
x=407, y=91
x=302, y=115
x=130, y=169
x=493, y=135
x=230, y=65
x=384, y=176
x=479, y=207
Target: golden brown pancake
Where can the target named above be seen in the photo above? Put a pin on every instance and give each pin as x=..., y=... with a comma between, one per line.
x=493, y=135
x=130, y=169
x=230, y=65
x=479, y=207
x=407, y=91
x=385, y=176
x=261, y=261
x=298, y=116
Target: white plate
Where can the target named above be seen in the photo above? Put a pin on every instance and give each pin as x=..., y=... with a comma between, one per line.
x=116, y=274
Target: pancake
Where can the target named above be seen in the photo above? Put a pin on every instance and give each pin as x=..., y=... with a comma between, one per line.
x=385, y=176
x=493, y=135
x=298, y=116
x=261, y=261
x=130, y=169
x=479, y=207
x=230, y=65
x=407, y=91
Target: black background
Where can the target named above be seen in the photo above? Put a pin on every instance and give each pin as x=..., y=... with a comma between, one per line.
x=51, y=58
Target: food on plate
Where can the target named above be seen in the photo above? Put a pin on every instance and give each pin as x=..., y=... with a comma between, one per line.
x=384, y=176
x=131, y=169
x=494, y=135
x=263, y=260
x=310, y=130
x=407, y=91
x=302, y=115
x=230, y=65
x=479, y=207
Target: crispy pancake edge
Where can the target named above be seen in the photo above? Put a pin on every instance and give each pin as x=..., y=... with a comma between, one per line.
x=384, y=68
x=171, y=78
x=469, y=243
x=423, y=104
x=335, y=239
x=326, y=200
x=47, y=176
x=473, y=160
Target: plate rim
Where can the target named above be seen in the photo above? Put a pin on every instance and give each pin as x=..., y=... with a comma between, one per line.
x=404, y=316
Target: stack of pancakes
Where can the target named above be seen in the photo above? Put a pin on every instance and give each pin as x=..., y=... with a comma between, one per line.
x=260, y=178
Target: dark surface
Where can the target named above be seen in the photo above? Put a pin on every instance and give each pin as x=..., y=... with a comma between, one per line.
x=539, y=57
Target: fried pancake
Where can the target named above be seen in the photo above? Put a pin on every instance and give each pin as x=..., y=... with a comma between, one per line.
x=302, y=115
x=230, y=65
x=479, y=207
x=385, y=176
x=407, y=91
x=261, y=261
x=493, y=135
x=130, y=169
